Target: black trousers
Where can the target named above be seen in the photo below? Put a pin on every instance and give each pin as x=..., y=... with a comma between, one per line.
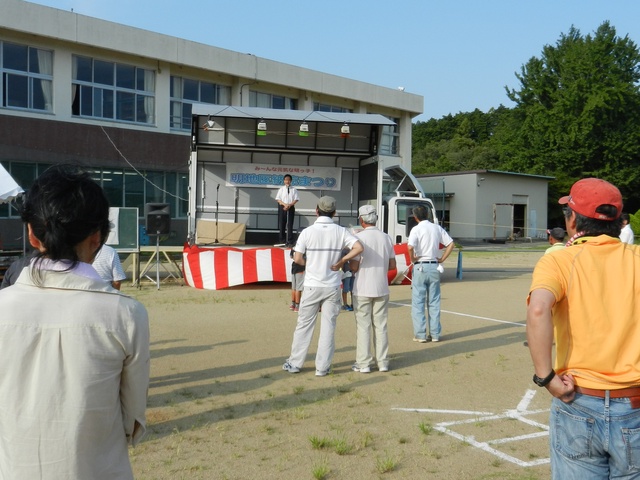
x=285, y=222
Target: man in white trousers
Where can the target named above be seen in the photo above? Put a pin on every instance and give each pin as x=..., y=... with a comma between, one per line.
x=371, y=292
x=322, y=243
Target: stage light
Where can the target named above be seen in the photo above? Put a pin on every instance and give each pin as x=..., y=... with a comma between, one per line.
x=262, y=128
x=208, y=124
x=345, y=131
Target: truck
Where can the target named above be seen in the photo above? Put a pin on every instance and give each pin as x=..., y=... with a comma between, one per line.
x=239, y=156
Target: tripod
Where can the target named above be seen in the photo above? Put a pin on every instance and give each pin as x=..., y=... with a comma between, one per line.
x=157, y=255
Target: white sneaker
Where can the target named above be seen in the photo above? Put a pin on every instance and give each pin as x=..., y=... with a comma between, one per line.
x=322, y=373
x=355, y=368
x=383, y=369
x=290, y=368
x=435, y=339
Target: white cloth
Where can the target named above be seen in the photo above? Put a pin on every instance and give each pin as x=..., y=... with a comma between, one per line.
x=323, y=242
x=75, y=372
x=287, y=194
x=425, y=238
x=107, y=264
x=626, y=234
x=372, y=280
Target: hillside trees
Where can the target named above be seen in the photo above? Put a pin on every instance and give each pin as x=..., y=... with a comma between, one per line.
x=576, y=114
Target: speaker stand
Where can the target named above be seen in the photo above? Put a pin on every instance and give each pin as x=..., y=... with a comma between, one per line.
x=157, y=255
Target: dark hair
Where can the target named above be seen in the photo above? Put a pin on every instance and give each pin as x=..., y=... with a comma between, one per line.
x=420, y=212
x=624, y=216
x=287, y=175
x=63, y=207
x=592, y=227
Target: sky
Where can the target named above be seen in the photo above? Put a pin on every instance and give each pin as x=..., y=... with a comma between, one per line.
x=458, y=54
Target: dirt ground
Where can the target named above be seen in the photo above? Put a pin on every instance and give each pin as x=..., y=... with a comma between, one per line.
x=221, y=407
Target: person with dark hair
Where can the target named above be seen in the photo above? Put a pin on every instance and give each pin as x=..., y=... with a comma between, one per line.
x=626, y=234
x=556, y=239
x=587, y=295
x=322, y=243
x=287, y=197
x=74, y=351
x=424, y=250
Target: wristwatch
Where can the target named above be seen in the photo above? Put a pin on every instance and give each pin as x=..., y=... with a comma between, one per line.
x=543, y=382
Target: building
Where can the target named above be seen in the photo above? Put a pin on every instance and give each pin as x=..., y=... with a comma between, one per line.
x=489, y=204
x=118, y=99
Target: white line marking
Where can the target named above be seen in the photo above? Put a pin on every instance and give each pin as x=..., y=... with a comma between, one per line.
x=520, y=324
x=518, y=414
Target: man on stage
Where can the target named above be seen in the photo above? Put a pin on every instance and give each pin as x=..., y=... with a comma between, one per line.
x=286, y=197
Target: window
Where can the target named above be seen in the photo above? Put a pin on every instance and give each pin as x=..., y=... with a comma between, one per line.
x=123, y=188
x=323, y=107
x=266, y=100
x=113, y=91
x=390, y=141
x=27, y=77
x=185, y=92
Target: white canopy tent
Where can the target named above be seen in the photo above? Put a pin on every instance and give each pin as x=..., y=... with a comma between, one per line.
x=9, y=189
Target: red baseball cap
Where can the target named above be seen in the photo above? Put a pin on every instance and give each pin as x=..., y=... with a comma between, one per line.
x=588, y=194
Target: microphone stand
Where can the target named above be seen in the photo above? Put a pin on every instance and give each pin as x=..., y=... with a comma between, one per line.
x=217, y=207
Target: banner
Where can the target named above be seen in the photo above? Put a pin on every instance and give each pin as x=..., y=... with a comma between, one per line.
x=271, y=176
x=215, y=268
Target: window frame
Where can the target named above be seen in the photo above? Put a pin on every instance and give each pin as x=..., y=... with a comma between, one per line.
x=180, y=105
x=116, y=91
x=33, y=92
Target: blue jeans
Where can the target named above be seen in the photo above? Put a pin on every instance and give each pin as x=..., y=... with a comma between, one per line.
x=594, y=438
x=425, y=288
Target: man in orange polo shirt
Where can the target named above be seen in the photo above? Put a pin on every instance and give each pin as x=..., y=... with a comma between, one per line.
x=588, y=294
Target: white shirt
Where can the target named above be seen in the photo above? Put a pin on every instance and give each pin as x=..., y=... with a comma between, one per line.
x=425, y=238
x=323, y=242
x=372, y=280
x=75, y=372
x=287, y=194
x=107, y=264
x=626, y=235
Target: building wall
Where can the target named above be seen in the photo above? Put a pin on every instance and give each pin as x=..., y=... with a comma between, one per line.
x=474, y=196
x=33, y=136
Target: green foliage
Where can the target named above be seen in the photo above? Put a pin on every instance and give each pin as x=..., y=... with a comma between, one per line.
x=577, y=115
x=634, y=221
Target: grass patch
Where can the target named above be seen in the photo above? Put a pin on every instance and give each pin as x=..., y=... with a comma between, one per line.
x=386, y=464
x=425, y=427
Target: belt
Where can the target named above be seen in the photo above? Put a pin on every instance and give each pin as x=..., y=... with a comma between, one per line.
x=621, y=393
x=426, y=261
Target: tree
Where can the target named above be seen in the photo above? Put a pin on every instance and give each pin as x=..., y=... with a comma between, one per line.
x=577, y=113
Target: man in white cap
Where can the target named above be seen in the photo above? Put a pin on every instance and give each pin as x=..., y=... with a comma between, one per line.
x=371, y=292
x=588, y=296
x=322, y=243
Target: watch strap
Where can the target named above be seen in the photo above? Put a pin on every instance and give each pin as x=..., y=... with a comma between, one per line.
x=543, y=382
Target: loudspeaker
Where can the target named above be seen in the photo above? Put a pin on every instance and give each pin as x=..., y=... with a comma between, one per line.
x=411, y=222
x=158, y=217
